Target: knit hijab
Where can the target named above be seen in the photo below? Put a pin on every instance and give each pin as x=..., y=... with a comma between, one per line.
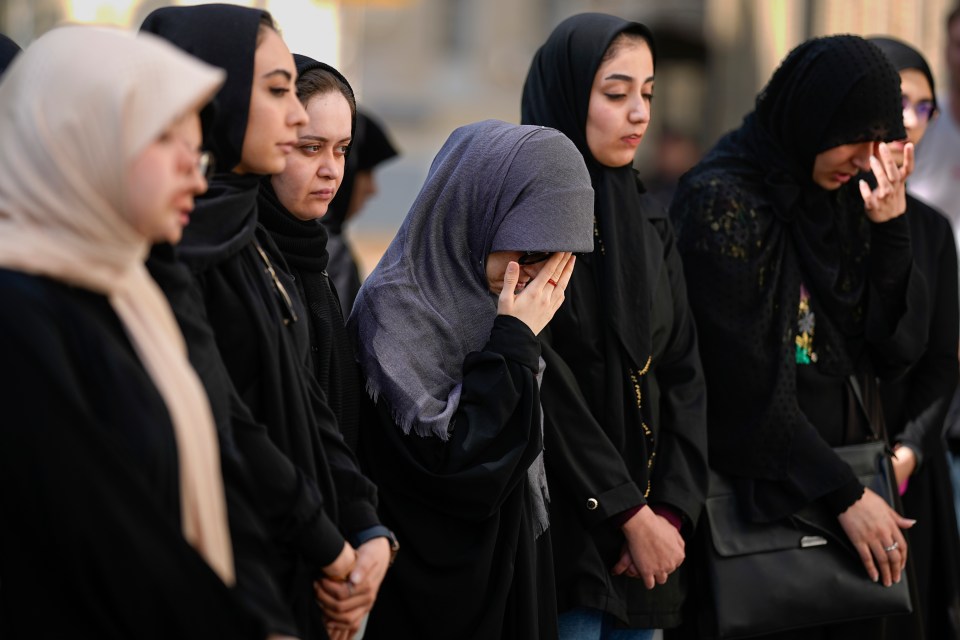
x=76, y=109
x=557, y=94
x=827, y=92
x=492, y=187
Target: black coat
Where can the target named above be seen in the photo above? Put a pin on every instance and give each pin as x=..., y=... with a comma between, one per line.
x=470, y=566
x=90, y=544
x=597, y=409
x=915, y=407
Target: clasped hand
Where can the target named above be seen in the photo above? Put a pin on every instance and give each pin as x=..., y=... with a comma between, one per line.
x=350, y=587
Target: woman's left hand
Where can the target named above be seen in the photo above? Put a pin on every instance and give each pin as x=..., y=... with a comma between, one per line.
x=889, y=199
x=541, y=297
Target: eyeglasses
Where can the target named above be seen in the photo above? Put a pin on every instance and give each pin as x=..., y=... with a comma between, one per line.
x=922, y=109
x=533, y=257
x=289, y=315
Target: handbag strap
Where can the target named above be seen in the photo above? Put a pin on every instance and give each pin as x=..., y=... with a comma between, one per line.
x=866, y=390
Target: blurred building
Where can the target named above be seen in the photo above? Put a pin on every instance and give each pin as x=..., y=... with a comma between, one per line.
x=425, y=67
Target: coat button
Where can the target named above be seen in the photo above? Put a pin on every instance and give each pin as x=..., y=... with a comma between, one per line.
x=592, y=504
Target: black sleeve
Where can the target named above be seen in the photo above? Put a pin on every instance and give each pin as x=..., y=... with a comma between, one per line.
x=592, y=466
x=680, y=473
x=284, y=497
x=897, y=303
x=356, y=494
x=79, y=518
x=495, y=434
x=933, y=379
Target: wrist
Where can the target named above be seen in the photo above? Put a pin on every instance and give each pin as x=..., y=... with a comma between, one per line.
x=378, y=531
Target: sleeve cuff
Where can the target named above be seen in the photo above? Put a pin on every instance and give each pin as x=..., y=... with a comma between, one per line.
x=841, y=499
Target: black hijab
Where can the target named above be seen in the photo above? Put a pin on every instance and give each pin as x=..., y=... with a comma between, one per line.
x=369, y=148
x=557, y=94
x=903, y=56
x=225, y=36
x=303, y=244
x=8, y=51
x=224, y=220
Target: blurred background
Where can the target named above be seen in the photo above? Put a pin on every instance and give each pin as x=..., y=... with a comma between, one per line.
x=425, y=67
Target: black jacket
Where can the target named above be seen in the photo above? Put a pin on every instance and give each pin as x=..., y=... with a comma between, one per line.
x=597, y=409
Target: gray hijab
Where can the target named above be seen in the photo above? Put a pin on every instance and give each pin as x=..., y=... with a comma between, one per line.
x=492, y=187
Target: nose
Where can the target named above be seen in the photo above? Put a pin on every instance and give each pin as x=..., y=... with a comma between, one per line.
x=640, y=111
x=297, y=115
x=861, y=157
x=329, y=167
x=909, y=118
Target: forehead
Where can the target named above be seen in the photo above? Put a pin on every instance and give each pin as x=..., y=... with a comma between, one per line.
x=329, y=112
x=915, y=84
x=631, y=56
x=272, y=53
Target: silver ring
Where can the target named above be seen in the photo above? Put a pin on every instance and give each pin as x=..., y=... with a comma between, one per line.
x=893, y=547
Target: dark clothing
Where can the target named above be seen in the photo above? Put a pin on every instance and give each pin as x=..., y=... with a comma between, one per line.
x=303, y=245
x=598, y=408
x=267, y=354
x=623, y=393
x=471, y=566
x=744, y=268
x=794, y=289
x=8, y=51
x=343, y=270
x=915, y=408
x=91, y=542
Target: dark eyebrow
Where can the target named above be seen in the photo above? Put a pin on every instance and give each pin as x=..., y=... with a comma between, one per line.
x=625, y=78
x=279, y=72
x=322, y=139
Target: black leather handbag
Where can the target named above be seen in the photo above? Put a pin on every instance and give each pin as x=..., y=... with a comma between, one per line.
x=801, y=571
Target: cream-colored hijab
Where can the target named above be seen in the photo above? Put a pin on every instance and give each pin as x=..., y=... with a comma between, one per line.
x=76, y=108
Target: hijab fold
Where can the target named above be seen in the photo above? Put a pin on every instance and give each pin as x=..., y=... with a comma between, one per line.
x=62, y=215
x=492, y=187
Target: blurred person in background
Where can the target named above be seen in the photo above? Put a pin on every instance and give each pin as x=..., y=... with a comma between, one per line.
x=916, y=404
x=937, y=182
x=8, y=51
x=371, y=147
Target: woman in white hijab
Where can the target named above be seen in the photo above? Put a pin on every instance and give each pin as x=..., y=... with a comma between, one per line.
x=111, y=495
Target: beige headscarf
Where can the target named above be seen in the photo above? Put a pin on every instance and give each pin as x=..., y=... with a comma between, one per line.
x=76, y=108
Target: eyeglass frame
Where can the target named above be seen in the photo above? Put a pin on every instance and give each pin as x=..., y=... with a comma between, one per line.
x=533, y=257
x=922, y=109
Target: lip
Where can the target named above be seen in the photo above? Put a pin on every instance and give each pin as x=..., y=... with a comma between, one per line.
x=842, y=178
x=323, y=194
x=287, y=147
x=184, y=216
x=633, y=140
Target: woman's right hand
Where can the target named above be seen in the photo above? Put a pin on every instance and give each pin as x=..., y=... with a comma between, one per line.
x=873, y=527
x=541, y=297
